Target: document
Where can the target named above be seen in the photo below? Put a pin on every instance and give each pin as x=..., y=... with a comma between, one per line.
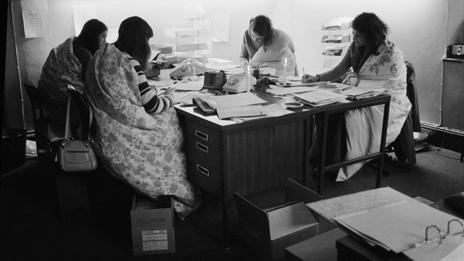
x=320, y=97
x=244, y=111
x=236, y=100
x=289, y=90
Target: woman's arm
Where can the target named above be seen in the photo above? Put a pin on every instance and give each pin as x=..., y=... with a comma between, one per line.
x=151, y=101
x=244, y=55
x=342, y=67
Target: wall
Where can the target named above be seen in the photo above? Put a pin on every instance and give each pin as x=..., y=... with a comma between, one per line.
x=418, y=27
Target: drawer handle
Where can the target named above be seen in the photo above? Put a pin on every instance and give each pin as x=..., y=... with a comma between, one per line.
x=201, y=135
x=203, y=170
x=202, y=146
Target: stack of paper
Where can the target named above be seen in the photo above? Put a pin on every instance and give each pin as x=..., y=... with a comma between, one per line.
x=319, y=97
x=361, y=93
x=290, y=90
x=244, y=111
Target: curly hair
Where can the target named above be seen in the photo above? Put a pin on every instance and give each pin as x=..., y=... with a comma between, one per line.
x=374, y=29
x=134, y=33
x=262, y=25
x=88, y=36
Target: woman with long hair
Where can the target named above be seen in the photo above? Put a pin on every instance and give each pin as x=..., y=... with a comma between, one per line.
x=372, y=57
x=138, y=137
x=66, y=64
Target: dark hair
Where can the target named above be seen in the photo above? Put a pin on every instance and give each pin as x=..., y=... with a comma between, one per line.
x=134, y=33
x=374, y=29
x=88, y=37
x=262, y=25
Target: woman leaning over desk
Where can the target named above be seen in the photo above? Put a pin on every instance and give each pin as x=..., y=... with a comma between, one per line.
x=65, y=65
x=371, y=56
x=138, y=135
x=265, y=46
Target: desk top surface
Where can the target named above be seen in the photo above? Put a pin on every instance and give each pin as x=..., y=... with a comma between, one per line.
x=301, y=113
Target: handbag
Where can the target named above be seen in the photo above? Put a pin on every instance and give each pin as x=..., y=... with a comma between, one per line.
x=76, y=155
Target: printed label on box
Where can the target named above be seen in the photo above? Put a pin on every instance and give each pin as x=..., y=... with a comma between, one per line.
x=154, y=240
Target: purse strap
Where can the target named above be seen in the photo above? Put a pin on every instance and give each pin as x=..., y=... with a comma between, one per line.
x=67, y=135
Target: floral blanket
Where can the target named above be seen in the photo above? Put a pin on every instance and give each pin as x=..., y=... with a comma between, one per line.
x=60, y=69
x=364, y=126
x=142, y=149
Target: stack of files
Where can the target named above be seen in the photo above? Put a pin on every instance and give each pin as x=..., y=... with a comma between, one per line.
x=244, y=111
x=319, y=97
x=290, y=90
x=401, y=227
x=358, y=93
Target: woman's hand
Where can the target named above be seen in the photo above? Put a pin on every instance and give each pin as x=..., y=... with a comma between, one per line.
x=310, y=78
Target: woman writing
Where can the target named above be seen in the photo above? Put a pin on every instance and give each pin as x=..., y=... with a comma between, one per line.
x=372, y=57
x=138, y=135
x=265, y=46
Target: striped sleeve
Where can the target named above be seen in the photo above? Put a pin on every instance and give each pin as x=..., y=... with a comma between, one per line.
x=151, y=101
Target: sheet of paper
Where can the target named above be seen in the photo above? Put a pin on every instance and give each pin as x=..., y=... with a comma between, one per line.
x=320, y=97
x=351, y=203
x=275, y=110
x=243, y=111
x=189, y=85
x=237, y=100
x=34, y=14
x=399, y=226
x=288, y=90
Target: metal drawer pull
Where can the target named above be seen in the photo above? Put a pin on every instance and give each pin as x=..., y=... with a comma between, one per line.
x=201, y=135
x=203, y=170
x=202, y=146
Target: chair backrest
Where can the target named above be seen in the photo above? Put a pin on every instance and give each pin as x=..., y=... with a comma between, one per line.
x=36, y=99
x=85, y=111
x=411, y=92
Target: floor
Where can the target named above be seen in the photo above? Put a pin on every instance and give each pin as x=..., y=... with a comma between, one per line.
x=33, y=228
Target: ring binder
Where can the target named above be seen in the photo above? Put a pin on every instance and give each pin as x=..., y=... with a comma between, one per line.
x=441, y=236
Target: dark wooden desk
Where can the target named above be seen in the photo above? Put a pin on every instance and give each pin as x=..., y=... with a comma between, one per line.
x=224, y=157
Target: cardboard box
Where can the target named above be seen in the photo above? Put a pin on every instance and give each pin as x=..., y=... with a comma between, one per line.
x=269, y=231
x=152, y=225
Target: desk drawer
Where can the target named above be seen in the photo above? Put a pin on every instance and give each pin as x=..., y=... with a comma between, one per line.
x=204, y=135
x=205, y=172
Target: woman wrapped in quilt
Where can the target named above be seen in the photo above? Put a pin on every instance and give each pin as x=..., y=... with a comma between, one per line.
x=138, y=137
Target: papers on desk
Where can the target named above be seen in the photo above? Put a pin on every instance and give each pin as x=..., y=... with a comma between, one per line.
x=359, y=93
x=189, y=85
x=284, y=91
x=244, y=111
x=236, y=100
x=319, y=97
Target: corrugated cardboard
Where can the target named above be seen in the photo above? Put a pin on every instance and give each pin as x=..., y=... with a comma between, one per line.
x=269, y=231
x=152, y=223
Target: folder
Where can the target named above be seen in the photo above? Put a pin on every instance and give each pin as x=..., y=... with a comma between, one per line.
x=402, y=227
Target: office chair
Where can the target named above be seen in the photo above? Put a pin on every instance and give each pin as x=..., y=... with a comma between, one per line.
x=48, y=136
x=404, y=144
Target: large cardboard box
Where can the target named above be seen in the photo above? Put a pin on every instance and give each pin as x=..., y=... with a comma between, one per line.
x=269, y=231
x=152, y=223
